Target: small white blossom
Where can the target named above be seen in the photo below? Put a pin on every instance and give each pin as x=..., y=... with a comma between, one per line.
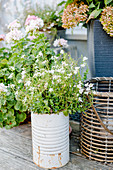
x=12, y=85
x=23, y=74
x=14, y=25
x=13, y=35
x=81, y=91
x=60, y=43
x=37, y=61
x=27, y=83
x=40, y=53
x=20, y=81
x=80, y=99
x=85, y=58
x=11, y=76
x=69, y=75
x=51, y=89
x=76, y=70
x=83, y=65
x=62, y=52
x=12, y=68
x=3, y=88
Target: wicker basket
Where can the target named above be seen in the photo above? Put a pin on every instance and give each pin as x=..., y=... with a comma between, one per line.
x=97, y=123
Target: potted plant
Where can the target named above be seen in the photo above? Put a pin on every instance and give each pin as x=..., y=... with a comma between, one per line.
x=55, y=89
x=49, y=86
x=98, y=16
x=51, y=17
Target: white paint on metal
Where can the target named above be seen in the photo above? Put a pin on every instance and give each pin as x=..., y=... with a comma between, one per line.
x=50, y=138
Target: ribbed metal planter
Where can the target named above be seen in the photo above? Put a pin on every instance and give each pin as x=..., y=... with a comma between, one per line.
x=50, y=138
x=100, y=50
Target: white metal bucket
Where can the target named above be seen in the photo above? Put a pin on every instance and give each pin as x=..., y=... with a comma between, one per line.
x=50, y=138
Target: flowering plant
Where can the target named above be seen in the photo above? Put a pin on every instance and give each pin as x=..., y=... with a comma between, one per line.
x=77, y=11
x=56, y=85
x=51, y=18
x=34, y=78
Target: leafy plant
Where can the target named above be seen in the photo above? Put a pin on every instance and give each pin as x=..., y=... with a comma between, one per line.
x=34, y=78
x=92, y=10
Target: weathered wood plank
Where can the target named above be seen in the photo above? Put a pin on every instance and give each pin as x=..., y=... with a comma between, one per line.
x=11, y=162
x=16, y=152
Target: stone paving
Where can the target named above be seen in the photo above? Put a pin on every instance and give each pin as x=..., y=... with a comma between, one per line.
x=16, y=152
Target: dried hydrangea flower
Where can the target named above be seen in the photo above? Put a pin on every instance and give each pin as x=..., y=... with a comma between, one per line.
x=107, y=20
x=73, y=15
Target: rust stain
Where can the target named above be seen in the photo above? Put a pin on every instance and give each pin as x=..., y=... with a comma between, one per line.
x=38, y=155
x=52, y=154
x=59, y=158
x=53, y=167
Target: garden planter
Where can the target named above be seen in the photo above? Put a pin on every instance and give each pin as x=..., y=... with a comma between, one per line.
x=50, y=138
x=61, y=33
x=100, y=50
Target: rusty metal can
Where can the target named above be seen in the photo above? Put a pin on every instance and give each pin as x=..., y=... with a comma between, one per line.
x=50, y=139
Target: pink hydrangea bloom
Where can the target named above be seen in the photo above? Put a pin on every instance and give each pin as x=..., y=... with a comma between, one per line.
x=14, y=25
x=29, y=18
x=60, y=43
x=2, y=37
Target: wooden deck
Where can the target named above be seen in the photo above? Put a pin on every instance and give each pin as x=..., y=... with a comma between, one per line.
x=16, y=152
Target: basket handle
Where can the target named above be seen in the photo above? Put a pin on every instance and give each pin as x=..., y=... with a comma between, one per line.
x=101, y=122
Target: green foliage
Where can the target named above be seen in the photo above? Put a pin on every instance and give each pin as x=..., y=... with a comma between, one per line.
x=34, y=78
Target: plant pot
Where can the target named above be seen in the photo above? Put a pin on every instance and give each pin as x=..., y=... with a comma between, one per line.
x=50, y=138
x=100, y=50
x=61, y=33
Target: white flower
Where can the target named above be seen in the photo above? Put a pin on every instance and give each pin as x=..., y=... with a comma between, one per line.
x=44, y=30
x=56, y=77
x=69, y=75
x=27, y=83
x=79, y=86
x=86, y=92
x=62, y=52
x=13, y=35
x=51, y=71
x=60, y=43
x=14, y=25
x=24, y=100
x=76, y=70
x=90, y=85
x=12, y=68
x=94, y=92
x=44, y=62
x=57, y=19
x=80, y=99
x=85, y=58
x=81, y=91
x=87, y=84
x=20, y=81
x=51, y=89
x=59, y=81
x=22, y=56
x=34, y=24
x=83, y=65
x=12, y=85
x=23, y=74
x=40, y=53
x=47, y=13
x=16, y=93
x=3, y=87
x=37, y=61
x=52, y=24
x=64, y=63
x=11, y=76
x=46, y=84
